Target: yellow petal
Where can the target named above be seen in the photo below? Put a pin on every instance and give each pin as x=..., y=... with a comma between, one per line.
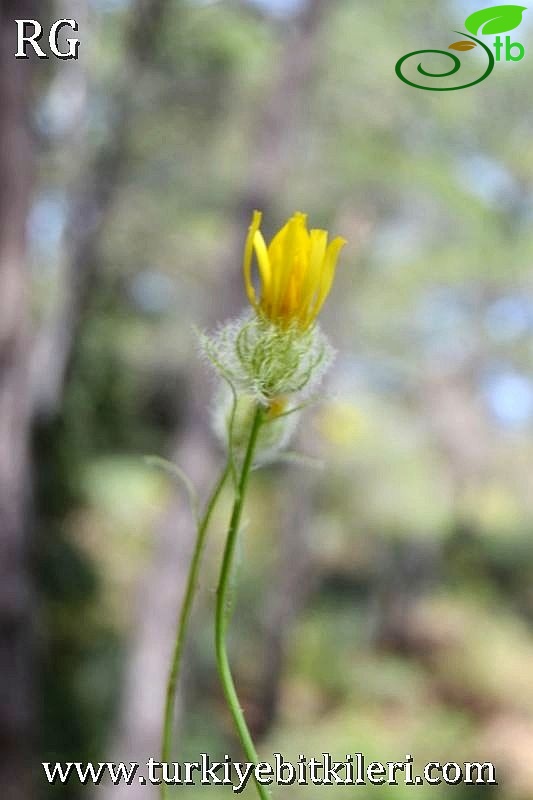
x=263, y=262
x=248, y=254
x=296, y=270
x=328, y=273
x=276, y=251
x=317, y=252
x=295, y=246
x=275, y=248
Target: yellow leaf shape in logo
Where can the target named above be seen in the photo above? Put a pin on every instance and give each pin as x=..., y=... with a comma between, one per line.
x=464, y=44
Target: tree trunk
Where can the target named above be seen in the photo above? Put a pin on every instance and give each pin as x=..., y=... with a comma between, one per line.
x=16, y=695
x=91, y=202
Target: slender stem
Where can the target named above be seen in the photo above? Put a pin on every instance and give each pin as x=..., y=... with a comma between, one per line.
x=183, y=622
x=221, y=619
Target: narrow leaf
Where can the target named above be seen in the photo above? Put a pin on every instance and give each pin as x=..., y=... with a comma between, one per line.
x=462, y=45
x=496, y=19
x=176, y=472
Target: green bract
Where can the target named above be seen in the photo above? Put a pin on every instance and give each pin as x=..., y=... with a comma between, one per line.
x=266, y=362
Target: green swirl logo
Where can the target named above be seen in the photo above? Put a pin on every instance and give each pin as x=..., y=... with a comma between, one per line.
x=493, y=20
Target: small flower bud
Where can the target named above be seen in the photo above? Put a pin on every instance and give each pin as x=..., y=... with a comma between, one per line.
x=232, y=425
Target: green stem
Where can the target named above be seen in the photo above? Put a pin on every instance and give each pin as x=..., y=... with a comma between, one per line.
x=221, y=619
x=183, y=622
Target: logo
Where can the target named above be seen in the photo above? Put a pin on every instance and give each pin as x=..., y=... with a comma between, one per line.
x=23, y=39
x=493, y=20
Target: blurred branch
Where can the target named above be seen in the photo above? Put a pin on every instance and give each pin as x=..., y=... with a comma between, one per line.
x=281, y=112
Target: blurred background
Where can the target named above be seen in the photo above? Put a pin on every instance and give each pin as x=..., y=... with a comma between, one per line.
x=385, y=601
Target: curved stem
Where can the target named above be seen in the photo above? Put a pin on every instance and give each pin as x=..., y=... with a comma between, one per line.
x=183, y=622
x=221, y=620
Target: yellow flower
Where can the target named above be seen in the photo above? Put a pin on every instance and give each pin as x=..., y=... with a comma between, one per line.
x=296, y=271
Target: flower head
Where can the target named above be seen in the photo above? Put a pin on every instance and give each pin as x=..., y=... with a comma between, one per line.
x=296, y=271
x=261, y=359
x=275, y=355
